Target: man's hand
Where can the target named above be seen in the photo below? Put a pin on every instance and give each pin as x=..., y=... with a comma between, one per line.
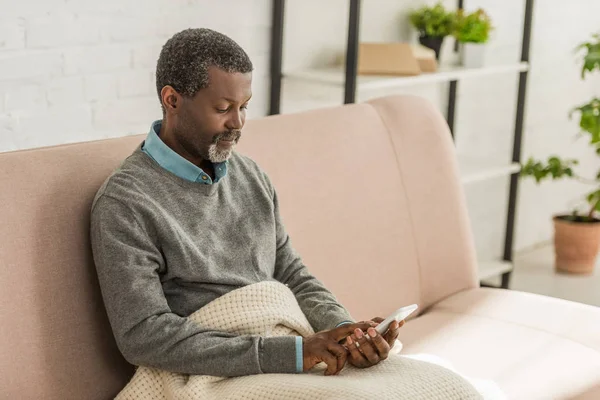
x=324, y=347
x=368, y=348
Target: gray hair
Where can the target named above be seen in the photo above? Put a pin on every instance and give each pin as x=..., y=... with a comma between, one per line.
x=185, y=58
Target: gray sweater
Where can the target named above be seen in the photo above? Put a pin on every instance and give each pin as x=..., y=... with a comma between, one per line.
x=164, y=247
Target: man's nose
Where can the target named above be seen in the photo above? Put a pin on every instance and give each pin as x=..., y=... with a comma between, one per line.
x=236, y=122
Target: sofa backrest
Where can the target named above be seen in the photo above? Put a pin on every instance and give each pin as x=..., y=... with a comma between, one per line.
x=56, y=340
x=369, y=194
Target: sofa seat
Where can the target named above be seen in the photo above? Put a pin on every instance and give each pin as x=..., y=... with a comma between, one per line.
x=530, y=345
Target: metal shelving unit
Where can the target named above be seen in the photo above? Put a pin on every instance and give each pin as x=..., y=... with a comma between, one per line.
x=472, y=169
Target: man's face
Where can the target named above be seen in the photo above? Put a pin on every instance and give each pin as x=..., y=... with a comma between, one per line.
x=209, y=125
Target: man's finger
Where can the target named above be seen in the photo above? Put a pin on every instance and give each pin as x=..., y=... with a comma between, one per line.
x=392, y=334
x=340, y=353
x=377, y=319
x=331, y=362
x=346, y=330
x=366, y=347
x=358, y=359
x=381, y=345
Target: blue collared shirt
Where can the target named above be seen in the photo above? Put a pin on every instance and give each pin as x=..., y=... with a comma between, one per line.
x=176, y=164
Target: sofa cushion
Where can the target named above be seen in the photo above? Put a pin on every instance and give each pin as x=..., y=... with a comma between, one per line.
x=534, y=347
x=56, y=340
x=342, y=202
x=426, y=159
x=360, y=189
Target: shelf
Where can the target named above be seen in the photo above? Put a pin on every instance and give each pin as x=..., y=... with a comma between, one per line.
x=336, y=77
x=474, y=170
x=492, y=269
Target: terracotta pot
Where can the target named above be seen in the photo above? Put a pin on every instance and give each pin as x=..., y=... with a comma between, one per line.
x=576, y=244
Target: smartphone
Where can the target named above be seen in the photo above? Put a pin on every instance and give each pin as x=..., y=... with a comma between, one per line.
x=397, y=315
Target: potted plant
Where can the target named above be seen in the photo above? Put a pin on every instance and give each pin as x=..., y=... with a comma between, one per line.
x=472, y=30
x=577, y=235
x=433, y=24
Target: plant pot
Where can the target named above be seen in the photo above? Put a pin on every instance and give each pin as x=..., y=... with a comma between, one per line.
x=576, y=244
x=473, y=55
x=433, y=42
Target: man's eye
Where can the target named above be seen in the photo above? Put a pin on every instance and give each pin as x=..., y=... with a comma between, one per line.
x=222, y=111
x=245, y=107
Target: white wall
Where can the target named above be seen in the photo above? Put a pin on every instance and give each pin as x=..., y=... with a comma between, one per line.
x=555, y=89
x=75, y=70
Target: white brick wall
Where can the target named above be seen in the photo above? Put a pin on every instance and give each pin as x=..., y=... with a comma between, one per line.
x=64, y=91
x=75, y=70
x=12, y=34
x=61, y=30
x=101, y=86
x=24, y=66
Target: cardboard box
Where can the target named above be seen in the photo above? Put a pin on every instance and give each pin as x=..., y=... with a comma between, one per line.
x=387, y=59
x=425, y=57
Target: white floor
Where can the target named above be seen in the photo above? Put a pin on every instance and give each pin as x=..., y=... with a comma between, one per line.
x=534, y=272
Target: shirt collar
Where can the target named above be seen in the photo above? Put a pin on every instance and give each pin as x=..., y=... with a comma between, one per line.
x=176, y=164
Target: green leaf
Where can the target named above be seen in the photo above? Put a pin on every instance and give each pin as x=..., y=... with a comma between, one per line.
x=433, y=21
x=589, y=119
x=555, y=168
x=594, y=200
x=473, y=27
x=591, y=55
x=568, y=172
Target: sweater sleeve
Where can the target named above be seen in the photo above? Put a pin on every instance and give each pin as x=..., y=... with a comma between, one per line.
x=320, y=306
x=147, y=332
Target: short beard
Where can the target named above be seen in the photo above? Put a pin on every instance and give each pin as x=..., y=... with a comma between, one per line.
x=216, y=155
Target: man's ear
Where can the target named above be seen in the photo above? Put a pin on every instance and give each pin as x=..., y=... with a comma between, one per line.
x=171, y=100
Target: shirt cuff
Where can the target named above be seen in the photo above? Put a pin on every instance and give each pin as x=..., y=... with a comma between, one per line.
x=299, y=357
x=270, y=350
x=343, y=323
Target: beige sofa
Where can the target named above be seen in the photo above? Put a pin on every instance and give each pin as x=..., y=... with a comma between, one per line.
x=371, y=196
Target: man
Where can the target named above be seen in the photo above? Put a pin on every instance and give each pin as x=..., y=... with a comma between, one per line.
x=185, y=220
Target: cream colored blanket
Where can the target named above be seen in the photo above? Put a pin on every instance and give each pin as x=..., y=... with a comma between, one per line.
x=270, y=309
